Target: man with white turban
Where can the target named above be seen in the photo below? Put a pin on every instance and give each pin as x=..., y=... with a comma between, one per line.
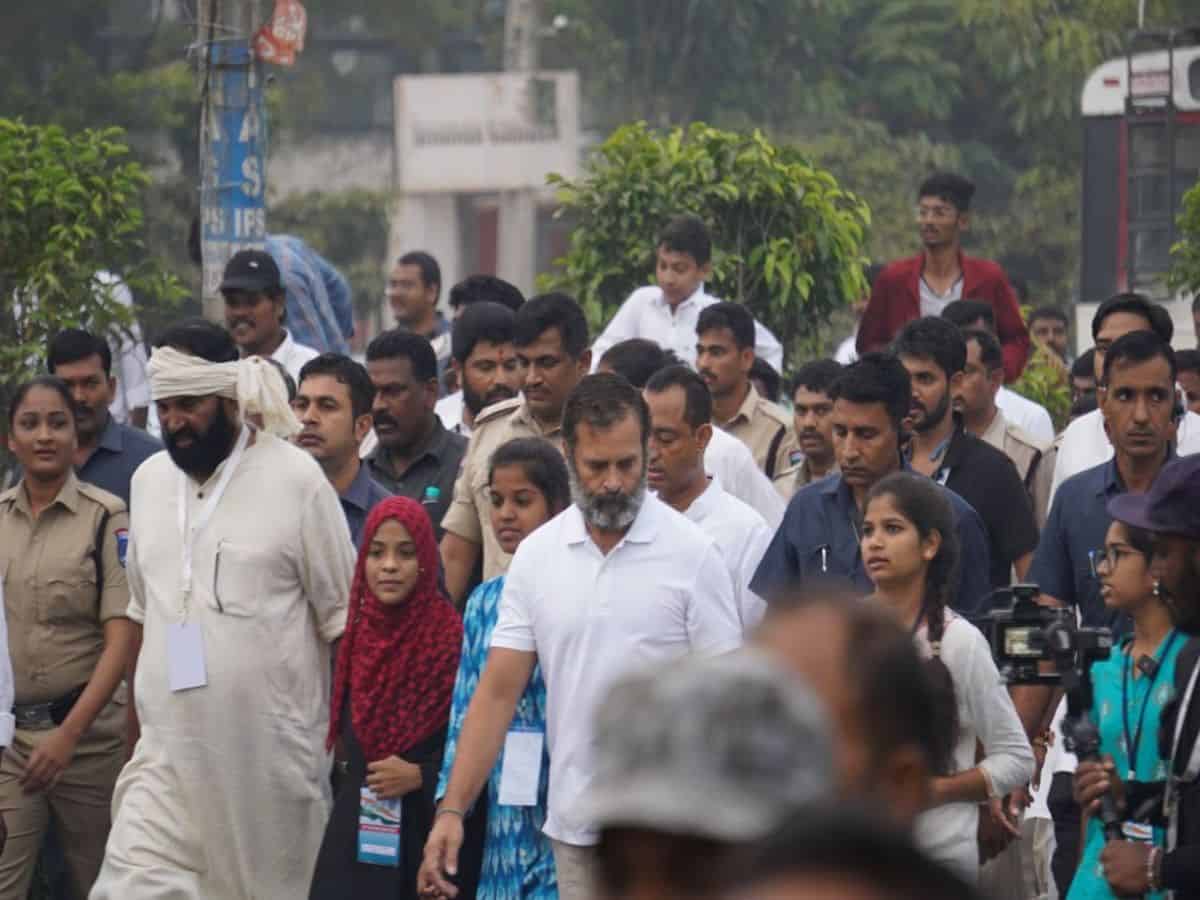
x=239, y=568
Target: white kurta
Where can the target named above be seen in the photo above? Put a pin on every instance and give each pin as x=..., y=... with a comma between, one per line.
x=227, y=794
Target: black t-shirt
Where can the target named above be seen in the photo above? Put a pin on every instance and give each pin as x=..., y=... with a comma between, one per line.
x=987, y=479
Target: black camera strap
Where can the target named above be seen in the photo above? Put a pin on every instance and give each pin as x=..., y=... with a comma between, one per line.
x=1132, y=740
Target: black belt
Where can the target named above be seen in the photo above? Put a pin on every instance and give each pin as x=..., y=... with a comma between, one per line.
x=44, y=716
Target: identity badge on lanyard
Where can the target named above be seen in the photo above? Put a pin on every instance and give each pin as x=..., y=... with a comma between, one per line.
x=378, y=829
x=185, y=641
x=522, y=768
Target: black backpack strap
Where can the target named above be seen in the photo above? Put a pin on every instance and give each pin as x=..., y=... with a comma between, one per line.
x=773, y=451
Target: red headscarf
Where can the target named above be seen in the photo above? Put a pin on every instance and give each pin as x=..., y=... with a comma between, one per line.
x=398, y=662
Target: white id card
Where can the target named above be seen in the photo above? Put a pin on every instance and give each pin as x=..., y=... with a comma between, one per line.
x=522, y=768
x=185, y=656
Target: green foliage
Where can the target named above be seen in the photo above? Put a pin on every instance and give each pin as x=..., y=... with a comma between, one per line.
x=1044, y=381
x=1185, y=255
x=787, y=240
x=69, y=208
x=350, y=229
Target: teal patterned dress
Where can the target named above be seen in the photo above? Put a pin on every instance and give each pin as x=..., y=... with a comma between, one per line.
x=1117, y=705
x=517, y=861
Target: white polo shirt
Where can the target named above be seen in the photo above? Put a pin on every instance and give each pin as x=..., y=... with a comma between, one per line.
x=731, y=461
x=663, y=592
x=1031, y=417
x=1085, y=445
x=646, y=314
x=742, y=536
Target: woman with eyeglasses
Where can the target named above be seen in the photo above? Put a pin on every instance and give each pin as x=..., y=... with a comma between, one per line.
x=1130, y=689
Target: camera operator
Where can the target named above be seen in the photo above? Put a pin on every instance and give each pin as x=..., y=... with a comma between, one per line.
x=1171, y=510
x=1137, y=400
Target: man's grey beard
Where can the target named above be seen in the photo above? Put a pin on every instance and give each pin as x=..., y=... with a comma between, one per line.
x=608, y=512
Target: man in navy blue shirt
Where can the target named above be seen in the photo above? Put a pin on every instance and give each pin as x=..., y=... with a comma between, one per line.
x=108, y=452
x=819, y=536
x=1137, y=399
x=333, y=403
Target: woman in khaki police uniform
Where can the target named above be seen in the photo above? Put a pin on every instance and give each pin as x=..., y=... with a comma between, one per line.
x=62, y=553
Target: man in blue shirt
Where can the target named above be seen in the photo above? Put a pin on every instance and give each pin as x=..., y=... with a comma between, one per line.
x=819, y=536
x=333, y=403
x=1137, y=399
x=320, y=310
x=108, y=452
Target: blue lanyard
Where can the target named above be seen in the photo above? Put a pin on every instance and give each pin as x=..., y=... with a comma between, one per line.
x=1132, y=742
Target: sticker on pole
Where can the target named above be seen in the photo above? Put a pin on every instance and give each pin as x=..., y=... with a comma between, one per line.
x=282, y=37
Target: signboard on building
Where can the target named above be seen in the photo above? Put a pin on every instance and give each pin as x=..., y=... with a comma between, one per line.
x=232, y=160
x=482, y=133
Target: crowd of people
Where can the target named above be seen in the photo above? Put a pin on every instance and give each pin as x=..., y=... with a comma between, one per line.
x=510, y=610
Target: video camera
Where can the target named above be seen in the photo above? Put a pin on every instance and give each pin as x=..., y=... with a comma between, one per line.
x=1026, y=634
x=1043, y=645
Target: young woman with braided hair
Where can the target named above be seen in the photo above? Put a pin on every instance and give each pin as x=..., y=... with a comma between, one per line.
x=910, y=551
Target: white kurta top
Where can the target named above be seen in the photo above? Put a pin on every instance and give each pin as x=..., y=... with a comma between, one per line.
x=227, y=794
x=986, y=715
x=646, y=314
x=1031, y=417
x=731, y=461
x=742, y=537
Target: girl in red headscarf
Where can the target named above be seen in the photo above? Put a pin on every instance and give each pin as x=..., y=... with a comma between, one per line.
x=391, y=700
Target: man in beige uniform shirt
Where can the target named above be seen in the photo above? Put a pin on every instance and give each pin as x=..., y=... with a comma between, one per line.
x=551, y=343
x=724, y=356
x=976, y=400
x=240, y=569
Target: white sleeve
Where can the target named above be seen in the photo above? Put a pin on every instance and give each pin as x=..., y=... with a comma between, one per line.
x=621, y=327
x=1040, y=424
x=1008, y=758
x=7, y=694
x=514, y=620
x=753, y=607
x=327, y=559
x=133, y=384
x=767, y=347
x=714, y=623
x=746, y=481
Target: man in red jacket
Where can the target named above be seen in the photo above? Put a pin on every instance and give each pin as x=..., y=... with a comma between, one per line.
x=922, y=285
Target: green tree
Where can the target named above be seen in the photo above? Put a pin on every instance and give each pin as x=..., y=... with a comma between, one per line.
x=1185, y=255
x=787, y=240
x=70, y=207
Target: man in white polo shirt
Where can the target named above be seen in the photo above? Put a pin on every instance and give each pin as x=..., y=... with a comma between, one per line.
x=680, y=428
x=616, y=583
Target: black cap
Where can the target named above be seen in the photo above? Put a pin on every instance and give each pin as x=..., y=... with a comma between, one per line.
x=1171, y=506
x=251, y=270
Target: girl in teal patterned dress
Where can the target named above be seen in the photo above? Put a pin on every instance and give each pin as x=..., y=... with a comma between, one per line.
x=1129, y=692
x=528, y=485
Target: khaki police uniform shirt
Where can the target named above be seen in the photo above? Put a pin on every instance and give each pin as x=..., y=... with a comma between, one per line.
x=469, y=515
x=798, y=476
x=55, y=606
x=762, y=426
x=1034, y=460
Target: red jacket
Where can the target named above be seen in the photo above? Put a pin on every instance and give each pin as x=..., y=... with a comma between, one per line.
x=896, y=301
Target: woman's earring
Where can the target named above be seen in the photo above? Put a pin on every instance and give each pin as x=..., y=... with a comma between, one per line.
x=1157, y=589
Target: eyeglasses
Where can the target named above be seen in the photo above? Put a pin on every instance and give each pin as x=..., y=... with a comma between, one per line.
x=935, y=213
x=1109, y=555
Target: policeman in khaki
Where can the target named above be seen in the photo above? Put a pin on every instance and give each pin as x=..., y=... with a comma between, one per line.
x=976, y=400
x=550, y=339
x=724, y=355
x=62, y=559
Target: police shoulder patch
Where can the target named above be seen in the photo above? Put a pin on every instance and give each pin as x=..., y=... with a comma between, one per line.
x=122, y=536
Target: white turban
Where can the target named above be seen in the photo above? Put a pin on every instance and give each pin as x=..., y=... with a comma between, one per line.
x=254, y=383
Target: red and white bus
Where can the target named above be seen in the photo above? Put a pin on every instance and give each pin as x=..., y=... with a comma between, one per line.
x=1141, y=133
